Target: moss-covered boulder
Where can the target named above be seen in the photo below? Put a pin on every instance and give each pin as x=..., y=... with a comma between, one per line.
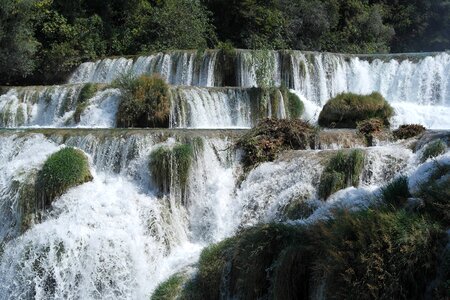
x=63, y=170
x=169, y=166
x=408, y=131
x=145, y=102
x=271, y=136
x=347, y=109
x=343, y=170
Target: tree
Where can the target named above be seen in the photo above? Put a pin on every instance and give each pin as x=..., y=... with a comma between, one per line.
x=17, y=44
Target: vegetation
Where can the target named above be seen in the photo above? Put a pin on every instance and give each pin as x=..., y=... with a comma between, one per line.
x=408, y=131
x=434, y=149
x=343, y=170
x=44, y=40
x=294, y=105
x=396, y=193
x=170, y=289
x=87, y=92
x=145, y=102
x=63, y=170
x=171, y=165
x=299, y=209
x=369, y=128
x=347, y=109
x=271, y=136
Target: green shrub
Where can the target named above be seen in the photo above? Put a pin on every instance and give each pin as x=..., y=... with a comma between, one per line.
x=408, y=131
x=376, y=255
x=227, y=48
x=171, y=165
x=87, y=92
x=396, y=193
x=170, y=289
x=347, y=109
x=343, y=170
x=271, y=136
x=434, y=149
x=145, y=102
x=63, y=170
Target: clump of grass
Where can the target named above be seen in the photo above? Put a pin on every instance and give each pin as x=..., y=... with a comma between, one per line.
x=170, y=289
x=64, y=169
x=145, y=102
x=171, y=165
x=343, y=170
x=396, y=193
x=408, y=131
x=271, y=136
x=347, y=109
x=378, y=254
x=434, y=149
x=87, y=92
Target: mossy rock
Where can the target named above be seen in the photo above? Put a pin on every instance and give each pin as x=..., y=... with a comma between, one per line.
x=144, y=102
x=408, y=131
x=299, y=209
x=63, y=170
x=171, y=165
x=272, y=136
x=347, y=109
x=434, y=149
x=294, y=106
x=343, y=170
x=170, y=289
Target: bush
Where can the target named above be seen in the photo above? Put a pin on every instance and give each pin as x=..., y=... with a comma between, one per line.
x=396, y=193
x=87, y=92
x=63, y=170
x=145, y=102
x=171, y=166
x=408, y=131
x=271, y=136
x=434, y=149
x=376, y=254
x=347, y=109
x=170, y=289
x=343, y=170
x=369, y=128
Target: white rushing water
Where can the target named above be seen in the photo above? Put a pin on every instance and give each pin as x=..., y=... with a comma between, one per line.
x=117, y=237
x=417, y=86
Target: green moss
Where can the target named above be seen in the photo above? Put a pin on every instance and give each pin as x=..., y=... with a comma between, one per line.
x=87, y=92
x=171, y=165
x=376, y=254
x=408, y=131
x=434, y=149
x=271, y=136
x=20, y=116
x=145, y=102
x=170, y=289
x=295, y=106
x=396, y=193
x=299, y=209
x=343, y=170
x=347, y=109
x=64, y=169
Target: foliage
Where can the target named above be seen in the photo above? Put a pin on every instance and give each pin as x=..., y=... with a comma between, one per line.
x=294, y=105
x=87, y=92
x=299, y=209
x=343, y=170
x=347, y=109
x=17, y=42
x=271, y=136
x=396, y=193
x=145, y=102
x=171, y=166
x=169, y=289
x=63, y=170
x=376, y=254
x=408, y=131
x=369, y=128
x=434, y=149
